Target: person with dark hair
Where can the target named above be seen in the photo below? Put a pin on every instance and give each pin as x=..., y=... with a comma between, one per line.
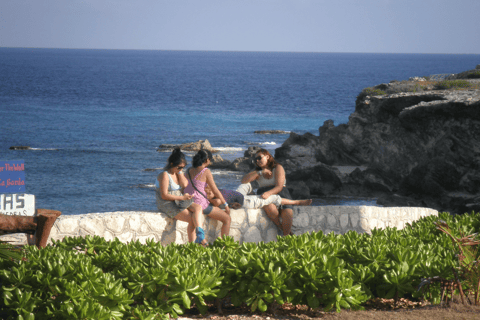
x=198, y=177
x=269, y=178
x=171, y=200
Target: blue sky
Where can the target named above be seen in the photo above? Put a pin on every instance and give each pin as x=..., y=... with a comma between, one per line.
x=387, y=26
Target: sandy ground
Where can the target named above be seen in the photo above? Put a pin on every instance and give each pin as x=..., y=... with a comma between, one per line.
x=454, y=310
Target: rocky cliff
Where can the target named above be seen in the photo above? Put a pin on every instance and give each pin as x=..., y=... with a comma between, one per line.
x=409, y=143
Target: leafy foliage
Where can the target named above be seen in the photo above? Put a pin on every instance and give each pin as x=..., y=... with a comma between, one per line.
x=455, y=85
x=90, y=278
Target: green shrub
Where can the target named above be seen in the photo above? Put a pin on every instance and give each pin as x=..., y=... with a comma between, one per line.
x=455, y=85
x=373, y=92
x=90, y=278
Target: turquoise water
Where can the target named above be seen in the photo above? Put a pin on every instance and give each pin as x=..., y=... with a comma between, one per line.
x=96, y=117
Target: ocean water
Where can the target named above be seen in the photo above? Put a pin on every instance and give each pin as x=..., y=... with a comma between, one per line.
x=96, y=117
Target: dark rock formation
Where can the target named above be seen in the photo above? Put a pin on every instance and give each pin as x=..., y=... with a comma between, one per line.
x=20, y=148
x=190, y=146
x=247, y=162
x=419, y=147
x=219, y=163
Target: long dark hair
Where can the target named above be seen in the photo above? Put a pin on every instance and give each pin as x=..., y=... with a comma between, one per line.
x=176, y=158
x=271, y=163
x=201, y=157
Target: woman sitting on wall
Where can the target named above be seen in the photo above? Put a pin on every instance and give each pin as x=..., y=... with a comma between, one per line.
x=269, y=177
x=173, y=202
x=198, y=177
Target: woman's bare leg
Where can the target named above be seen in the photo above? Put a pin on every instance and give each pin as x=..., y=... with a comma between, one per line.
x=272, y=212
x=287, y=220
x=198, y=220
x=197, y=213
x=223, y=217
x=290, y=202
x=186, y=216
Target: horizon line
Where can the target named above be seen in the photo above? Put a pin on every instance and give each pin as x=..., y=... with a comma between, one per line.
x=239, y=51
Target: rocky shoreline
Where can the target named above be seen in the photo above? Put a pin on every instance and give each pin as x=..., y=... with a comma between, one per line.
x=409, y=143
x=414, y=143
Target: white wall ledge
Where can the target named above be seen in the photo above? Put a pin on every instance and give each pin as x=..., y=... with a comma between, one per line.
x=250, y=225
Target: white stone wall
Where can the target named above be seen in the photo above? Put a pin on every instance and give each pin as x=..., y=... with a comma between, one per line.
x=250, y=225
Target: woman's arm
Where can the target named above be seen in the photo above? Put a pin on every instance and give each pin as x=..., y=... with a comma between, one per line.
x=164, y=182
x=213, y=187
x=182, y=180
x=279, y=181
x=251, y=176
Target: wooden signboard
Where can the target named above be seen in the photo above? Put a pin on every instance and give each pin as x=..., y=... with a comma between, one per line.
x=19, y=204
x=13, y=199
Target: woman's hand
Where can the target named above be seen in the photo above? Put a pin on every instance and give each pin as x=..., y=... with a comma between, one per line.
x=267, y=173
x=186, y=196
x=227, y=210
x=265, y=195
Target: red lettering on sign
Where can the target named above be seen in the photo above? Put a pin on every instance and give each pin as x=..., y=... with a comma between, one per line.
x=18, y=182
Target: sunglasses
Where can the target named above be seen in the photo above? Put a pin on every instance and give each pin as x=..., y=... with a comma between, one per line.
x=259, y=157
x=180, y=167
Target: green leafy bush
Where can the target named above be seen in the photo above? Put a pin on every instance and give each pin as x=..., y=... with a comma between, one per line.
x=90, y=278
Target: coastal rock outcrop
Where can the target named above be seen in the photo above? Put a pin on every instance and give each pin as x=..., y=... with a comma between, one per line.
x=190, y=146
x=20, y=148
x=416, y=142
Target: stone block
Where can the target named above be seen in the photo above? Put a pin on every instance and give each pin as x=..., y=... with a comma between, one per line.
x=115, y=223
x=271, y=234
x=318, y=219
x=264, y=223
x=126, y=237
x=156, y=221
x=332, y=221
x=67, y=225
x=92, y=226
x=236, y=234
x=238, y=218
x=136, y=222
x=301, y=220
x=173, y=237
x=253, y=215
x=253, y=235
x=109, y=236
x=344, y=221
x=354, y=218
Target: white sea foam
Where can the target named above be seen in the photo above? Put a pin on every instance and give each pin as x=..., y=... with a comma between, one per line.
x=145, y=185
x=225, y=172
x=265, y=143
x=228, y=149
x=43, y=149
x=269, y=143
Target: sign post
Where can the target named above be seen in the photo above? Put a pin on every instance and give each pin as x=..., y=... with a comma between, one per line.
x=13, y=199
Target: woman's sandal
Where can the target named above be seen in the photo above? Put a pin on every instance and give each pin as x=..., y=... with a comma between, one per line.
x=201, y=237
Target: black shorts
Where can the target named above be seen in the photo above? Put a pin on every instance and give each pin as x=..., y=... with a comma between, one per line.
x=284, y=193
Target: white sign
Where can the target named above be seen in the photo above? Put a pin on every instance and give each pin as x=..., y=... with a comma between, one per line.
x=17, y=204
